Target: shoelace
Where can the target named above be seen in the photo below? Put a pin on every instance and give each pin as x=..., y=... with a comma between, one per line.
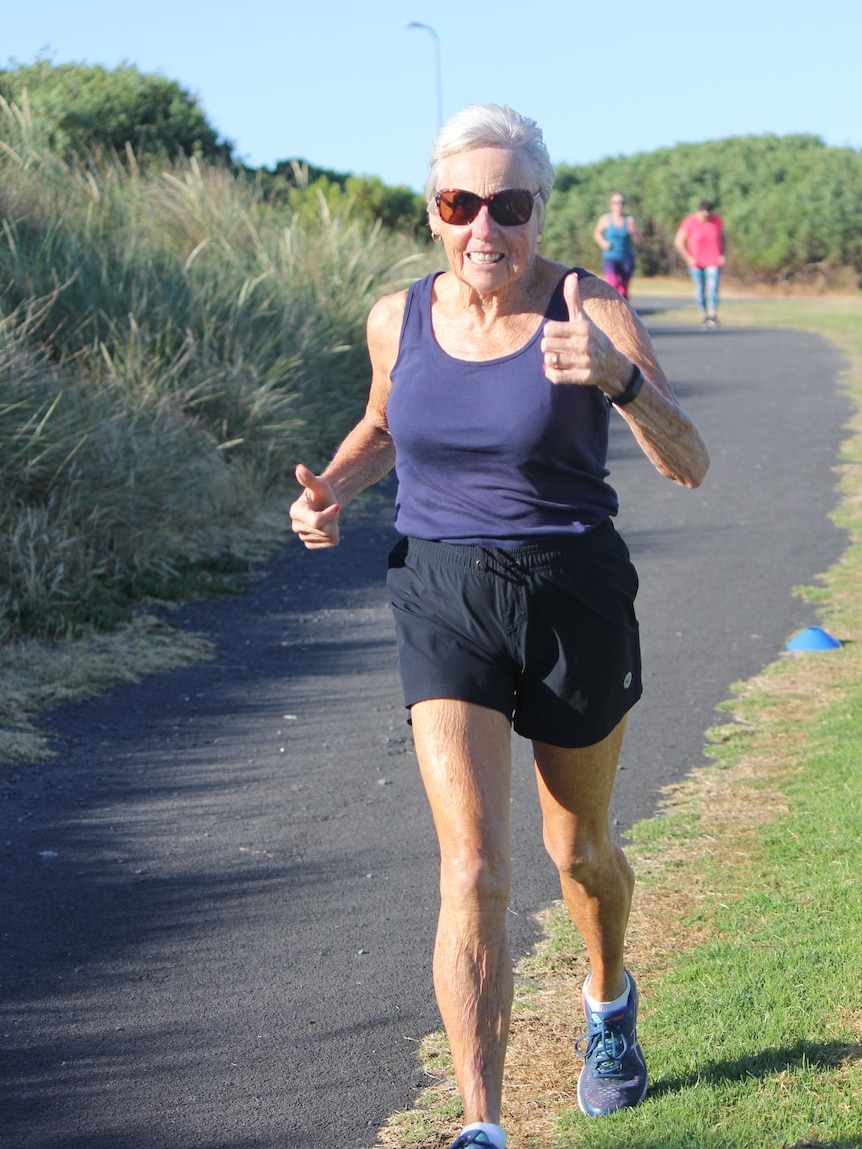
x=606, y=1044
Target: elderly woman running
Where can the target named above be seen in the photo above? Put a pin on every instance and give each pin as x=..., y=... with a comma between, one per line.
x=493, y=384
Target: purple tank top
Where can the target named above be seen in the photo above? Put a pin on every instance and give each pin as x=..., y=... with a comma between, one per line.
x=492, y=453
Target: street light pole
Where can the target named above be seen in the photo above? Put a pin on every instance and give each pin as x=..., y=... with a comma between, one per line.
x=438, y=93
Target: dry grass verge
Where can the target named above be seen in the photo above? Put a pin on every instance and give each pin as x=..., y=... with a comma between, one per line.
x=38, y=674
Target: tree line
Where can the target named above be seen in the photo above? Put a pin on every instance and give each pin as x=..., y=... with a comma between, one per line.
x=792, y=205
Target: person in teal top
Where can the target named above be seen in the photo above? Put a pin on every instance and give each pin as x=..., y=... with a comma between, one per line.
x=616, y=234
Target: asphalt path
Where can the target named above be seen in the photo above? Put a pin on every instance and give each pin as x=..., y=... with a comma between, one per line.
x=218, y=898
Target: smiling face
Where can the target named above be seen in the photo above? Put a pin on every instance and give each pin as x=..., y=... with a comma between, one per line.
x=484, y=255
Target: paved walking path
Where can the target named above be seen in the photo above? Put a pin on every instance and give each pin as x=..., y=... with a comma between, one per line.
x=218, y=900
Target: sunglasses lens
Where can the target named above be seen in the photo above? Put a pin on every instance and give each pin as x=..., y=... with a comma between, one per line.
x=511, y=208
x=458, y=207
x=507, y=208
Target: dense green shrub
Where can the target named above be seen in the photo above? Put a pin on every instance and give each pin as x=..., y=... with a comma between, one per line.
x=299, y=184
x=80, y=107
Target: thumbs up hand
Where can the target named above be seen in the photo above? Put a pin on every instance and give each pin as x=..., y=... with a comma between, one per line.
x=572, y=296
x=314, y=515
x=575, y=350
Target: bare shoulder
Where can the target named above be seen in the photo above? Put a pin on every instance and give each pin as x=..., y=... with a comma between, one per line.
x=613, y=315
x=607, y=308
x=386, y=315
x=383, y=329
x=609, y=311
x=603, y=303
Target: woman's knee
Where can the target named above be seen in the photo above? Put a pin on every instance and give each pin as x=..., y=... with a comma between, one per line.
x=586, y=860
x=474, y=878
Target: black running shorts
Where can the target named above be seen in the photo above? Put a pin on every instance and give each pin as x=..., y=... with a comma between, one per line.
x=545, y=633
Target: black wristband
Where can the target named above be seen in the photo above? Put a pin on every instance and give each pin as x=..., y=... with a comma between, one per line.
x=632, y=390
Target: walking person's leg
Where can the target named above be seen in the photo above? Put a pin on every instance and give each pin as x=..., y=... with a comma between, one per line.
x=627, y=267
x=697, y=278
x=711, y=277
x=611, y=269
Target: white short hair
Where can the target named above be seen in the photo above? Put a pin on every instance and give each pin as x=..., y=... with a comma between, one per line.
x=490, y=126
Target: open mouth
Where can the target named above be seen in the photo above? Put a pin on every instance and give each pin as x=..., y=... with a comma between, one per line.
x=484, y=258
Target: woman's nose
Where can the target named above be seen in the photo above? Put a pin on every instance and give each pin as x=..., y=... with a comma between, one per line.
x=483, y=223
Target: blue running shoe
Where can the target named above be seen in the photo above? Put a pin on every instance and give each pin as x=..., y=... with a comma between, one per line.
x=473, y=1137
x=615, y=1073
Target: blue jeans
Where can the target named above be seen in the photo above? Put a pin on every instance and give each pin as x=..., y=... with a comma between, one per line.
x=705, y=280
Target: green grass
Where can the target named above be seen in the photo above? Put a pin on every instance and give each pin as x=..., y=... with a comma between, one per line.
x=754, y=1037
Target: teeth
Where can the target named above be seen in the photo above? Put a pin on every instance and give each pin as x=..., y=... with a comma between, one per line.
x=484, y=257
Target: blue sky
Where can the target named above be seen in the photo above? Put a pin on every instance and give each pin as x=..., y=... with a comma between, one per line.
x=346, y=86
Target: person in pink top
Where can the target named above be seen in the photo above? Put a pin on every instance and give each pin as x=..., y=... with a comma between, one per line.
x=701, y=242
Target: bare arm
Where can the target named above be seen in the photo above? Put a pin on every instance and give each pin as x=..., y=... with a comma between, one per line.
x=599, y=345
x=367, y=453
x=680, y=242
x=634, y=230
x=599, y=232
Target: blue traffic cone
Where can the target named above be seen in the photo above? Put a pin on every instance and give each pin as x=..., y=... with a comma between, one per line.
x=813, y=638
